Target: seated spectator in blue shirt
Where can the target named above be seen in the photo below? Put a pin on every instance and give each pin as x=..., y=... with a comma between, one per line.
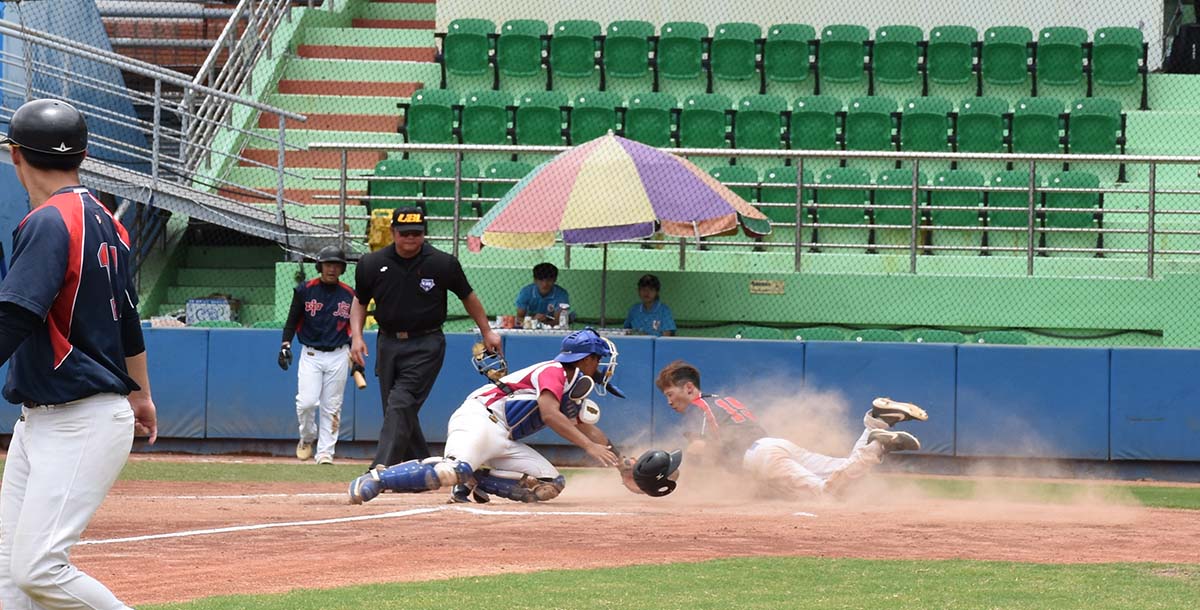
x=651, y=316
x=540, y=299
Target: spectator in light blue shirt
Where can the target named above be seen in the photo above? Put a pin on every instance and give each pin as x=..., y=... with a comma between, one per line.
x=651, y=316
x=540, y=300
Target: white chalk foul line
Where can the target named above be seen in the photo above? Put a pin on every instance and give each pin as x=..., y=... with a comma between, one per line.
x=395, y=514
x=244, y=496
x=803, y=514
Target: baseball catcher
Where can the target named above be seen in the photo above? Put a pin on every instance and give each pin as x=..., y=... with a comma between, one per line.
x=484, y=452
x=722, y=431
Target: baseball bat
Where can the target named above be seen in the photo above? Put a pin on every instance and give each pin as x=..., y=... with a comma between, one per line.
x=359, y=381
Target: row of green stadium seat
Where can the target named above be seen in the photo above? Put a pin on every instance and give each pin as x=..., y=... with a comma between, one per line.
x=828, y=333
x=898, y=54
x=927, y=124
x=395, y=193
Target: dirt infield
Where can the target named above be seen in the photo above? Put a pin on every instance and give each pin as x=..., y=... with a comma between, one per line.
x=595, y=523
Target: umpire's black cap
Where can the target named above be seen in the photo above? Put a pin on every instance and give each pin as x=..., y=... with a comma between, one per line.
x=51, y=127
x=409, y=218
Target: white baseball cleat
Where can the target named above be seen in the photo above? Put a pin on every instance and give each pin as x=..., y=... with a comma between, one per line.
x=325, y=459
x=894, y=440
x=304, y=450
x=892, y=412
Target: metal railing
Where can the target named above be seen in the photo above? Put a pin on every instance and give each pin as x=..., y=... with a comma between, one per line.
x=243, y=47
x=159, y=137
x=921, y=204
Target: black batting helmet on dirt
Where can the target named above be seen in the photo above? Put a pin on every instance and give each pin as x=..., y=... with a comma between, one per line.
x=50, y=127
x=655, y=472
x=330, y=254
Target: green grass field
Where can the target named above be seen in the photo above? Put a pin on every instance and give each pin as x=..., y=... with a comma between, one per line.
x=755, y=582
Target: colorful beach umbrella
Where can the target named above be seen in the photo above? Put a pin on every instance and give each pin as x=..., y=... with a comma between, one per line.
x=613, y=189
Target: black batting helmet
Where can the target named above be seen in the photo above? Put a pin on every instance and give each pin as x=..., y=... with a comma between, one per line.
x=51, y=127
x=330, y=254
x=655, y=472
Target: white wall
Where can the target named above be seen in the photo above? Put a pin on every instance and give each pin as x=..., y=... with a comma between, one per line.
x=1144, y=14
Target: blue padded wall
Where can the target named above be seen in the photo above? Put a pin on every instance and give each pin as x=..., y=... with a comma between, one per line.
x=1154, y=416
x=910, y=372
x=248, y=395
x=1032, y=402
x=178, y=379
x=456, y=379
x=727, y=366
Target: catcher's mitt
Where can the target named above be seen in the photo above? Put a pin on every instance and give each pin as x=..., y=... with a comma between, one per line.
x=625, y=467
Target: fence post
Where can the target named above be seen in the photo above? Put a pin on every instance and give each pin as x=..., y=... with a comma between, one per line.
x=799, y=239
x=1032, y=220
x=458, y=158
x=156, y=138
x=342, y=200
x=915, y=219
x=1150, y=223
x=282, y=163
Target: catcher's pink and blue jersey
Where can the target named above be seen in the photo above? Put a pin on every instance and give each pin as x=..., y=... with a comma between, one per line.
x=520, y=407
x=70, y=254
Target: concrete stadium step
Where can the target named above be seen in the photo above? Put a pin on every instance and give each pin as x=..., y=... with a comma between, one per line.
x=294, y=159
x=305, y=196
x=211, y=276
x=249, y=295
x=398, y=10
x=336, y=113
x=266, y=179
x=367, y=44
x=409, y=24
x=232, y=257
x=336, y=122
x=365, y=76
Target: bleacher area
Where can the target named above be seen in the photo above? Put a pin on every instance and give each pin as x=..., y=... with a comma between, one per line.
x=377, y=72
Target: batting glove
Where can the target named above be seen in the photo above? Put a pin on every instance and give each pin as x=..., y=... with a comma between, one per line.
x=285, y=357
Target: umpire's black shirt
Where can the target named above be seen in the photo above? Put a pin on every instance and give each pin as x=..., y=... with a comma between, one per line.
x=410, y=294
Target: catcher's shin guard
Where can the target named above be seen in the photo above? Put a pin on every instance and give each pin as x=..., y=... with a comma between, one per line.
x=416, y=476
x=524, y=489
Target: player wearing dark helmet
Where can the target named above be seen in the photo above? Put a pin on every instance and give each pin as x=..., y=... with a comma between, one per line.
x=70, y=333
x=320, y=315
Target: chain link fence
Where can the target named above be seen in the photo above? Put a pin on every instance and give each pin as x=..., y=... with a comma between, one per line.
x=812, y=111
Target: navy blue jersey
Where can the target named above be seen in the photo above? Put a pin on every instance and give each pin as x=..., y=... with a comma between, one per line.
x=70, y=267
x=320, y=314
x=723, y=420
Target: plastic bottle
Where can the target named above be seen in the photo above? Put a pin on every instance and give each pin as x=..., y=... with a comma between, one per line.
x=564, y=316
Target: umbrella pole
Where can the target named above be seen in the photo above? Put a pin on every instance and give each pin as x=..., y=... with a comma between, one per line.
x=603, y=282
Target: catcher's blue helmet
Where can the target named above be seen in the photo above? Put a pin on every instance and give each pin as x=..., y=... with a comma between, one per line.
x=583, y=343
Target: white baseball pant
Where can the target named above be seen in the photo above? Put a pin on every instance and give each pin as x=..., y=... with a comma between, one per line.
x=474, y=437
x=321, y=383
x=785, y=466
x=61, y=463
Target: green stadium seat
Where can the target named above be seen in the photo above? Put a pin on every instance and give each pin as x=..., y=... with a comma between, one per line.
x=215, y=324
x=1072, y=220
x=485, y=117
x=626, y=49
x=869, y=123
x=841, y=52
x=877, y=335
x=1004, y=56
x=814, y=123
x=819, y=333
x=979, y=125
x=430, y=117
x=1037, y=125
x=704, y=121
x=957, y=218
x=937, y=335
x=679, y=54
x=734, y=51
x=267, y=324
x=1096, y=126
x=950, y=55
x=925, y=124
x=896, y=55
x=515, y=170
x=394, y=168
x=1118, y=55
x=759, y=122
x=1059, y=59
x=860, y=197
x=649, y=118
x=521, y=46
x=733, y=174
x=1001, y=337
x=786, y=53
x=758, y=332
x=539, y=118
x=898, y=216
x=593, y=115
x=783, y=175
x=573, y=50
x=466, y=48
x=1014, y=218
x=468, y=193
